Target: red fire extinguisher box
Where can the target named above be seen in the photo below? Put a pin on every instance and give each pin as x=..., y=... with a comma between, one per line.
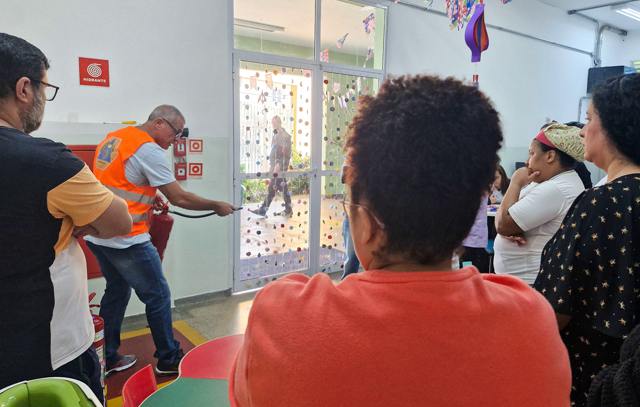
x=86, y=154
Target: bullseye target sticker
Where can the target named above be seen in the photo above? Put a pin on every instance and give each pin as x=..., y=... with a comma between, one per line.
x=94, y=72
x=195, y=170
x=196, y=145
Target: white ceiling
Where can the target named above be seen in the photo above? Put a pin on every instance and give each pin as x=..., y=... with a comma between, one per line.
x=605, y=14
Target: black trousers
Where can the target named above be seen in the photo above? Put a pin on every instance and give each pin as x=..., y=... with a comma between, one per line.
x=477, y=256
x=84, y=368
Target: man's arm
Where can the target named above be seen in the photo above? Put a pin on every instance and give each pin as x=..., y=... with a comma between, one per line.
x=114, y=221
x=92, y=207
x=187, y=200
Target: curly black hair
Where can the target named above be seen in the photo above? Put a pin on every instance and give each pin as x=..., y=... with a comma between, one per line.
x=422, y=153
x=19, y=58
x=617, y=102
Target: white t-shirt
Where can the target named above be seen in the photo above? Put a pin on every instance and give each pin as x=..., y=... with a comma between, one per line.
x=539, y=213
x=147, y=167
x=72, y=329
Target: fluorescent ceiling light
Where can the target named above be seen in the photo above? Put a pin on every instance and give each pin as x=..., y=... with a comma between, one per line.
x=254, y=25
x=628, y=12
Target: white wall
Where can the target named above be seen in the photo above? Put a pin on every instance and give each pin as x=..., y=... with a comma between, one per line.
x=528, y=81
x=617, y=50
x=160, y=51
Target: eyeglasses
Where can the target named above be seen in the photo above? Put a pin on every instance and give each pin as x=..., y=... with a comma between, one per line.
x=50, y=91
x=178, y=133
x=346, y=203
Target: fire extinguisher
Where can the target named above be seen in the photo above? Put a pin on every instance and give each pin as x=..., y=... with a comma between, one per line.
x=98, y=343
x=161, y=225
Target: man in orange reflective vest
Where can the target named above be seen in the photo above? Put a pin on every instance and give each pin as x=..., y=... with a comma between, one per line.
x=131, y=162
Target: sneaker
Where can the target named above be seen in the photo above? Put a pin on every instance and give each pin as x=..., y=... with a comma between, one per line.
x=124, y=362
x=259, y=211
x=164, y=368
x=287, y=212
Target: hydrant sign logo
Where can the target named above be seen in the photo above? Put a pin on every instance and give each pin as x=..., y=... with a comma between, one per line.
x=94, y=72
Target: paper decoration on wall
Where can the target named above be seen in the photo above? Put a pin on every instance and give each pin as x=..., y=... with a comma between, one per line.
x=459, y=12
x=340, y=42
x=476, y=35
x=369, y=53
x=369, y=23
x=324, y=55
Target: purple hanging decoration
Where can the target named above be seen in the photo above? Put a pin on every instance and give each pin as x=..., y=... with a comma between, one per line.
x=476, y=35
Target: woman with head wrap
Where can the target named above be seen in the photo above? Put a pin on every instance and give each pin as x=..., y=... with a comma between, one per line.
x=537, y=200
x=590, y=270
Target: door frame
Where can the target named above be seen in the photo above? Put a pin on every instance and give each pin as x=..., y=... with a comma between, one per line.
x=315, y=172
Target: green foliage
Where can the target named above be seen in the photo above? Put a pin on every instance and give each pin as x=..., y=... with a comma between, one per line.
x=299, y=185
x=253, y=190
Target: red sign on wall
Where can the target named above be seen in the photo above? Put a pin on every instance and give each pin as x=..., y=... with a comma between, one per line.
x=94, y=72
x=195, y=169
x=180, y=171
x=180, y=148
x=195, y=145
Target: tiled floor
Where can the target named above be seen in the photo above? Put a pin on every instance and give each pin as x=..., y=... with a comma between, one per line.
x=212, y=317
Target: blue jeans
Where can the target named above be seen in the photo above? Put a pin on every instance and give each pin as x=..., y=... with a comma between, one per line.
x=136, y=267
x=351, y=262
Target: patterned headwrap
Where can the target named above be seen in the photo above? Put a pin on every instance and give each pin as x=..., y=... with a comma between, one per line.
x=564, y=138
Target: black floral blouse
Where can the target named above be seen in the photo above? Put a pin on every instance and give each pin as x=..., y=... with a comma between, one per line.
x=590, y=270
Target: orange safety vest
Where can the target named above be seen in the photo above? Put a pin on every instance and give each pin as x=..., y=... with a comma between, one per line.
x=109, y=167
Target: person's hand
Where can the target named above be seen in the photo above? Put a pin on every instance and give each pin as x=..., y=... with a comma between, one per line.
x=224, y=208
x=81, y=231
x=517, y=239
x=522, y=177
x=159, y=204
x=493, y=199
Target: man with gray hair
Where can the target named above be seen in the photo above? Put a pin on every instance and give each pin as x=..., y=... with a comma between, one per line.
x=131, y=162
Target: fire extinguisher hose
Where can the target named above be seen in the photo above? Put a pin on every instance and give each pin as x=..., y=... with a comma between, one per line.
x=204, y=215
x=184, y=215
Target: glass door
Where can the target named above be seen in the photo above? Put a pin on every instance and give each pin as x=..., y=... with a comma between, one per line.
x=296, y=86
x=340, y=93
x=274, y=171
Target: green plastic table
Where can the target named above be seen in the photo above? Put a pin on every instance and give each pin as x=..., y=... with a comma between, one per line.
x=187, y=392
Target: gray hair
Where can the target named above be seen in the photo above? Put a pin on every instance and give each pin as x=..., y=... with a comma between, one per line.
x=167, y=112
